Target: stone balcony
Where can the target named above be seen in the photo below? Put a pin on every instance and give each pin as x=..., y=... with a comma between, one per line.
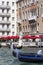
x=32, y=18
x=5, y=15
x=4, y=7
x=5, y=29
x=4, y=22
x=19, y=21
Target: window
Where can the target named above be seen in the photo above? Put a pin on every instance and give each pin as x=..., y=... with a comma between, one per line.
x=26, y=27
x=2, y=2
x=38, y=11
x=13, y=26
x=23, y=13
x=3, y=26
x=13, y=11
x=2, y=10
x=7, y=33
x=37, y=2
x=7, y=18
x=33, y=12
x=19, y=28
x=12, y=33
x=12, y=3
x=2, y=33
x=12, y=18
x=23, y=16
x=7, y=26
x=33, y=1
x=41, y=5
x=7, y=3
x=7, y=10
x=2, y=18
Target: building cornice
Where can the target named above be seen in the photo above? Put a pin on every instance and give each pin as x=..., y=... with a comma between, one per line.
x=19, y=1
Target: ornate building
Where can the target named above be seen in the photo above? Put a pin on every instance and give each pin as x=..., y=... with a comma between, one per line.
x=29, y=16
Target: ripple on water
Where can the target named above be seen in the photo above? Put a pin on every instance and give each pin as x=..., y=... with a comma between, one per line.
x=6, y=58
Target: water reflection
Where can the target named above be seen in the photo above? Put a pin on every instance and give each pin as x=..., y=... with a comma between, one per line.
x=6, y=58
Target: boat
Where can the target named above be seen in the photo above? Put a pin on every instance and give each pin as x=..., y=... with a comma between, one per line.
x=28, y=57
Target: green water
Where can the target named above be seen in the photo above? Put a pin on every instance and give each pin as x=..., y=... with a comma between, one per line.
x=6, y=58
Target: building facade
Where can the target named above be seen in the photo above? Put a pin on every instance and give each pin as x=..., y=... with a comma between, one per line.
x=30, y=16
x=7, y=17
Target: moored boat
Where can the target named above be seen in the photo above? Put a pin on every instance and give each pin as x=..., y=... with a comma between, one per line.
x=30, y=57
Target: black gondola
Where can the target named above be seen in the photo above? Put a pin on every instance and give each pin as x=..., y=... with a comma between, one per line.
x=28, y=57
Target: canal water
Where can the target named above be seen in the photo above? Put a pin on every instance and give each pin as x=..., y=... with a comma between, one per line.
x=6, y=58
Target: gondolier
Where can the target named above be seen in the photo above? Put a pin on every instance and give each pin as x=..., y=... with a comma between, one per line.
x=39, y=52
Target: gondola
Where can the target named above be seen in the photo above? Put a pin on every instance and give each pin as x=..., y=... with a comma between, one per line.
x=28, y=57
